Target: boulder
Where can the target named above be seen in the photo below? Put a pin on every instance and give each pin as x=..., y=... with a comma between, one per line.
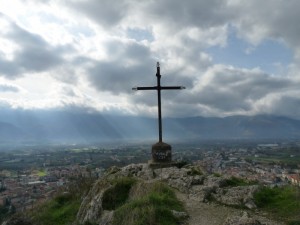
x=243, y=219
x=91, y=207
x=212, y=181
x=106, y=218
x=180, y=215
x=17, y=220
x=236, y=196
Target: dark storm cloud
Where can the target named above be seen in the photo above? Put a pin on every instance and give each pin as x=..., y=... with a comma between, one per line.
x=129, y=65
x=8, y=68
x=34, y=53
x=190, y=13
x=105, y=12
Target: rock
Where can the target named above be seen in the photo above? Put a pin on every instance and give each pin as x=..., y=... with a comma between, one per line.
x=250, y=204
x=188, y=181
x=106, y=218
x=131, y=170
x=201, y=193
x=141, y=170
x=180, y=215
x=91, y=207
x=113, y=170
x=198, y=180
x=212, y=181
x=175, y=177
x=236, y=196
x=17, y=220
x=244, y=219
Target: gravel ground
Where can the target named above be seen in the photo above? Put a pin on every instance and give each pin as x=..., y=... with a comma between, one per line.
x=205, y=213
x=213, y=214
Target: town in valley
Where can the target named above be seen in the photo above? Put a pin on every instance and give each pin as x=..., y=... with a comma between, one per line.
x=32, y=174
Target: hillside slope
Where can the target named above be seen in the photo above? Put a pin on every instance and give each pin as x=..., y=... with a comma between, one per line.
x=138, y=195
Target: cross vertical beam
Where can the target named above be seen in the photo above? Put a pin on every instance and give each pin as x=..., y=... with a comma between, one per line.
x=159, y=88
x=158, y=76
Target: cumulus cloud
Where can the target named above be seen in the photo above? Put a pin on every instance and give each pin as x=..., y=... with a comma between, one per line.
x=8, y=88
x=105, y=12
x=191, y=13
x=128, y=64
x=268, y=19
x=33, y=53
x=228, y=90
x=114, y=46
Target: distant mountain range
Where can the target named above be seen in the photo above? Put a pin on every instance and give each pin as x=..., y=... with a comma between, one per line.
x=67, y=127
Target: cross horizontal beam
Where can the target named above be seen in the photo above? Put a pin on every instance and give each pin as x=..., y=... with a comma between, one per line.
x=156, y=88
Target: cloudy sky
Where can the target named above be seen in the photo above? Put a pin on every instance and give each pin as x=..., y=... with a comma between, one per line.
x=235, y=57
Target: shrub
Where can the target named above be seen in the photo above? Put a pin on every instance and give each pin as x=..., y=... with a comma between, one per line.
x=117, y=194
x=194, y=171
x=151, y=208
x=294, y=222
x=235, y=182
x=61, y=210
x=282, y=202
x=217, y=175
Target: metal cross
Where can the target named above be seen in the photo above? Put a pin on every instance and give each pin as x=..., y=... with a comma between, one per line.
x=159, y=88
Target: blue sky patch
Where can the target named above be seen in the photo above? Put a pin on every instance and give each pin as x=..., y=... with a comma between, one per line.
x=140, y=34
x=270, y=56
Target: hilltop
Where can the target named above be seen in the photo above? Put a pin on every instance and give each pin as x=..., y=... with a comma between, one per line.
x=137, y=194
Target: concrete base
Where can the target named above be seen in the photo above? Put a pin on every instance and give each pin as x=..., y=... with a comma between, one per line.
x=159, y=165
x=161, y=152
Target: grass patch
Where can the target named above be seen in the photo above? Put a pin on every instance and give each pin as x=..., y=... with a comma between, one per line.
x=282, y=202
x=118, y=193
x=279, y=159
x=194, y=171
x=217, y=175
x=41, y=173
x=294, y=222
x=151, y=208
x=61, y=210
x=235, y=182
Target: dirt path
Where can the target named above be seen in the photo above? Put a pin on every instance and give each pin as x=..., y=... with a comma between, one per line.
x=204, y=213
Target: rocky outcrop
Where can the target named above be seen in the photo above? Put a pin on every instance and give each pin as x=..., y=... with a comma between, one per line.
x=91, y=207
x=106, y=218
x=236, y=196
x=243, y=219
x=187, y=180
x=18, y=220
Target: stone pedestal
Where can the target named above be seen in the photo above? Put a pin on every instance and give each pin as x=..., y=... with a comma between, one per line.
x=161, y=156
x=161, y=153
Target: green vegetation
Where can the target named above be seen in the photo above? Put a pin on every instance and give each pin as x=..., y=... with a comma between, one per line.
x=235, y=182
x=194, y=171
x=181, y=164
x=150, y=205
x=283, y=157
x=6, y=210
x=282, y=202
x=117, y=194
x=294, y=222
x=61, y=210
x=41, y=173
x=217, y=175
